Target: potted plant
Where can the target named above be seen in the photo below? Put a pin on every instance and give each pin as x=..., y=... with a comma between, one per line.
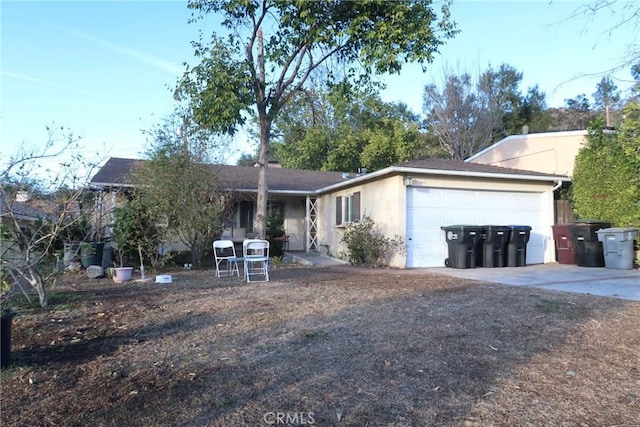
x=123, y=235
x=121, y=274
x=135, y=232
x=73, y=234
x=276, y=234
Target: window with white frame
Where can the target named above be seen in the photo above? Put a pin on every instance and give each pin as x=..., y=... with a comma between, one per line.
x=348, y=209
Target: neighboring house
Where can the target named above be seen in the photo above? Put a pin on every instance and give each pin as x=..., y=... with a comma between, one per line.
x=25, y=216
x=552, y=152
x=412, y=200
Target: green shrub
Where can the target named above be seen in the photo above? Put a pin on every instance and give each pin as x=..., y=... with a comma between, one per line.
x=367, y=245
x=606, y=178
x=135, y=231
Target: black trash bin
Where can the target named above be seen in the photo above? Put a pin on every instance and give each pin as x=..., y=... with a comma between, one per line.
x=589, y=252
x=462, y=244
x=494, y=248
x=480, y=247
x=517, y=246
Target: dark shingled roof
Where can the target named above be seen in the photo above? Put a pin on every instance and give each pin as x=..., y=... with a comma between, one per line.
x=116, y=171
x=21, y=210
x=453, y=165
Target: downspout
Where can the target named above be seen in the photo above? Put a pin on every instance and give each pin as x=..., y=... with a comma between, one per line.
x=547, y=255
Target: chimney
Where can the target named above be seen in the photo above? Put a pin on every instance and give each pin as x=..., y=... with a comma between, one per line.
x=608, y=127
x=525, y=129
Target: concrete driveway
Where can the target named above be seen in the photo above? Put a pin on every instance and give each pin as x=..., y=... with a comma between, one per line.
x=606, y=282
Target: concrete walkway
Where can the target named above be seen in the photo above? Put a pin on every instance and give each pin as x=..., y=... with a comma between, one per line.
x=624, y=284
x=312, y=258
x=607, y=282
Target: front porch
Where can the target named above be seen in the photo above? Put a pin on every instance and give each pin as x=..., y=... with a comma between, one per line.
x=299, y=222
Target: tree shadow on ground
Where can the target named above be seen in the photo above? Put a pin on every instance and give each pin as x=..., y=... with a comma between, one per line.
x=350, y=347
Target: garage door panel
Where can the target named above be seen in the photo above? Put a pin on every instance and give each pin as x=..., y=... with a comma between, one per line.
x=459, y=216
x=495, y=199
x=459, y=198
x=428, y=209
x=493, y=216
x=525, y=201
x=536, y=248
x=426, y=198
x=520, y=217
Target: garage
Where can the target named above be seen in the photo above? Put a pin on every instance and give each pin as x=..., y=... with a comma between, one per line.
x=428, y=209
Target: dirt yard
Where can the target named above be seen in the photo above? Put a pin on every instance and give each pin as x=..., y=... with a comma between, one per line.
x=335, y=346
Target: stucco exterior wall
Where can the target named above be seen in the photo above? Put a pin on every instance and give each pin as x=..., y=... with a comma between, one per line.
x=384, y=201
x=552, y=153
x=294, y=222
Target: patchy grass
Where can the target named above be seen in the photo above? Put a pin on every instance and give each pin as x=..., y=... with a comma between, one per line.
x=336, y=346
x=551, y=305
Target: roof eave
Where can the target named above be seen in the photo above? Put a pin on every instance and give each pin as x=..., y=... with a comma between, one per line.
x=279, y=192
x=524, y=176
x=102, y=185
x=407, y=170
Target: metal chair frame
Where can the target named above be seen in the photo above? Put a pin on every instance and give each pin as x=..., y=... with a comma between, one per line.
x=231, y=261
x=256, y=259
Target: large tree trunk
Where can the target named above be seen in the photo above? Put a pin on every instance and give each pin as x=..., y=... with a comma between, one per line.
x=260, y=224
x=34, y=279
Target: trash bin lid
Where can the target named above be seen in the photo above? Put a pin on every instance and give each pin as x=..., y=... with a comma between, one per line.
x=590, y=222
x=617, y=230
x=525, y=227
x=461, y=227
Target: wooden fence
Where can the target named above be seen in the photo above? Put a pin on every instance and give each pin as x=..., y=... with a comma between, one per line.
x=564, y=213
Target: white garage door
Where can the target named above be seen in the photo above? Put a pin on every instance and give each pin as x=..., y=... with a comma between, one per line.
x=428, y=209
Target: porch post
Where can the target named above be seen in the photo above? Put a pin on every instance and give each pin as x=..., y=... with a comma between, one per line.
x=311, y=240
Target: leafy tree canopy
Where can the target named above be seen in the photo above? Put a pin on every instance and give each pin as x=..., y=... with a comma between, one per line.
x=343, y=129
x=271, y=47
x=467, y=114
x=180, y=185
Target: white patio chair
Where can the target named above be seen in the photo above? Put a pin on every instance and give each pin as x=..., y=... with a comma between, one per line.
x=256, y=259
x=223, y=250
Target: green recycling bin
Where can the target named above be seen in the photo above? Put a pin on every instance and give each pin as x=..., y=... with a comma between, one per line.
x=617, y=246
x=91, y=254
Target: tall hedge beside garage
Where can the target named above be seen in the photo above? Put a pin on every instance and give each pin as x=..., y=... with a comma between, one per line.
x=606, y=176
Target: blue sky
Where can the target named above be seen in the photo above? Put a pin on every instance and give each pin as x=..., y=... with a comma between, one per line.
x=106, y=70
